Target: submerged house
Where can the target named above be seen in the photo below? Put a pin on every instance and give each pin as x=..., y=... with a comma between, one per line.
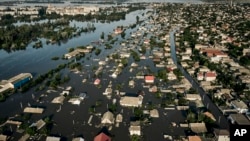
x=102, y=137
x=108, y=118
x=131, y=101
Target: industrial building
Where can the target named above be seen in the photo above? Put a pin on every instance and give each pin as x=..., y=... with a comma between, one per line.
x=15, y=82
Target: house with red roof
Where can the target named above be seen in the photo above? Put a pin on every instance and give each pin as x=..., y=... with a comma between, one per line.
x=210, y=76
x=97, y=81
x=102, y=137
x=149, y=79
x=118, y=30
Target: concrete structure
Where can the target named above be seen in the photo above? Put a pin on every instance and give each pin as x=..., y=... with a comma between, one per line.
x=131, y=101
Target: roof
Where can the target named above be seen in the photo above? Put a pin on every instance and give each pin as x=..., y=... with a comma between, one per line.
x=97, y=81
x=210, y=115
x=198, y=127
x=194, y=138
x=33, y=110
x=119, y=118
x=154, y=113
x=240, y=119
x=108, y=117
x=3, y=137
x=102, y=137
x=24, y=137
x=210, y=74
x=39, y=124
x=239, y=104
x=200, y=74
x=221, y=132
x=130, y=101
x=49, y=138
x=78, y=139
x=135, y=128
x=58, y=99
x=193, y=96
x=19, y=77
x=149, y=78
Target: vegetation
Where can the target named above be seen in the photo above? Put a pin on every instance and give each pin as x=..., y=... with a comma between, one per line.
x=97, y=51
x=55, y=58
x=135, y=55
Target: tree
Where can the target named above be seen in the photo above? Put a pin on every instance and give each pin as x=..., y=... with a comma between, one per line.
x=137, y=19
x=102, y=35
x=124, y=61
x=182, y=101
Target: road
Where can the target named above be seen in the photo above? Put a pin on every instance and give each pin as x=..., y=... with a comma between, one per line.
x=220, y=118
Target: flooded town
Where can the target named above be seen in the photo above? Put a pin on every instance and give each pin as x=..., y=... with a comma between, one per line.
x=129, y=71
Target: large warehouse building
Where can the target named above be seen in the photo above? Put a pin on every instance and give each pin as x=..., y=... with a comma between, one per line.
x=15, y=82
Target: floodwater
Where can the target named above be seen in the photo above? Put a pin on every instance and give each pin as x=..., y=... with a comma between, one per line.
x=20, y=61
x=72, y=120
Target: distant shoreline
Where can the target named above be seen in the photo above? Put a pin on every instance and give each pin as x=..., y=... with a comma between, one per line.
x=226, y=1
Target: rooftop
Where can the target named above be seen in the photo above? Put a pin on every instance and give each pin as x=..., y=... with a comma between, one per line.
x=239, y=104
x=19, y=77
x=240, y=119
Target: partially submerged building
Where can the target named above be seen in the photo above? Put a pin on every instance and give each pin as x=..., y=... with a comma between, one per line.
x=15, y=82
x=131, y=101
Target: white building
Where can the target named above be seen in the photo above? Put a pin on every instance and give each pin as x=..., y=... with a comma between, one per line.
x=193, y=97
x=131, y=101
x=135, y=128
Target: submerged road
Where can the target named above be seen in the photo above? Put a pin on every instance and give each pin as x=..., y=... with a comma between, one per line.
x=220, y=118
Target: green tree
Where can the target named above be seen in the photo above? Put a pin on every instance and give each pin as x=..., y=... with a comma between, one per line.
x=102, y=35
